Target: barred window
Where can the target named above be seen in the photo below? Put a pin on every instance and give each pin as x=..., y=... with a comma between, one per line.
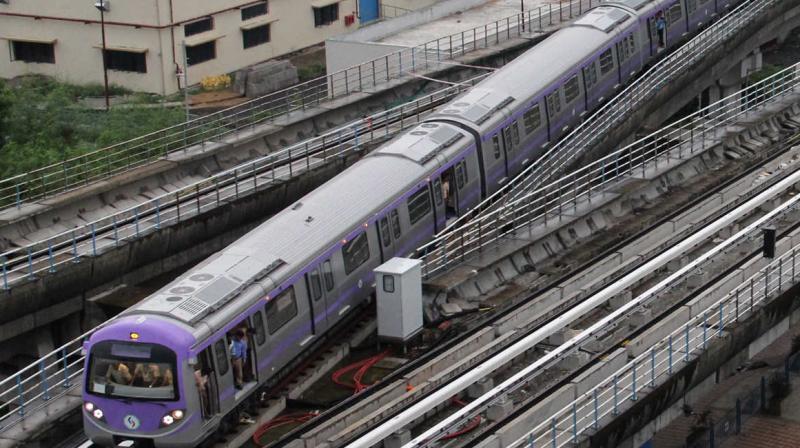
x=355, y=252
x=572, y=89
x=125, y=61
x=326, y=15
x=201, y=53
x=281, y=310
x=255, y=36
x=259, y=9
x=41, y=52
x=532, y=119
x=606, y=62
x=553, y=104
x=198, y=26
x=419, y=204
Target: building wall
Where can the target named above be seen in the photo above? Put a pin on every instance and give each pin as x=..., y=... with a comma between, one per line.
x=157, y=28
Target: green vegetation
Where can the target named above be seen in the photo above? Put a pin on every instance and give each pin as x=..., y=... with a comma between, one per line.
x=42, y=122
x=765, y=72
x=310, y=71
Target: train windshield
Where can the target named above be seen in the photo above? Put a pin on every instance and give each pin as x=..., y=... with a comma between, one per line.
x=137, y=371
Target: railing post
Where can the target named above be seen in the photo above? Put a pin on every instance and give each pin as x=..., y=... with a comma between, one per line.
x=652, y=367
x=5, y=274
x=94, y=239
x=64, y=363
x=158, y=214
x=116, y=233
x=615, y=411
x=75, y=258
x=705, y=329
x=574, y=423
x=686, y=354
x=596, y=413
x=43, y=379
x=721, y=321
x=553, y=431
x=30, y=264
x=18, y=199
x=669, y=356
x=20, y=393
x=633, y=382
x=50, y=256
x=136, y=220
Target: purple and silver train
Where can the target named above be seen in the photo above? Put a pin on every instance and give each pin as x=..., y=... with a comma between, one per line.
x=161, y=373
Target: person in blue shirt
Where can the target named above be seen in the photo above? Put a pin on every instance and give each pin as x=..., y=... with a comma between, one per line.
x=661, y=30
x=238, y=351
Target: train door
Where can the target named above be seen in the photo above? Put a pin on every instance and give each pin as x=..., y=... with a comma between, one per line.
x=258, y=339
x=205, y=376
x=316, y=301
x=498, y=172
x=222, y=373
x=330, y=286
x=461, y=186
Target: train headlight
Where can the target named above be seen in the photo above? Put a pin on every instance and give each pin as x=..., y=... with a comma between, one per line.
x=88, y=406
x=172, y=417
x=97, y=413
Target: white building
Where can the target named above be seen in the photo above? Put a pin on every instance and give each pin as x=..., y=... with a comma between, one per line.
x=144, y=38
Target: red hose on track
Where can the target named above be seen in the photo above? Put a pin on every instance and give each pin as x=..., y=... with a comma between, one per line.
x=469, y=427
x=361, y=368
x=300, y=417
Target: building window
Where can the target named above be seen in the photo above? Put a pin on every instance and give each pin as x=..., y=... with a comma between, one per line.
x=198, y=26
x=255, y=36
x=201, y=53
x=125, y=61
x=259, y=9
x=33, y=52
x=326, y=15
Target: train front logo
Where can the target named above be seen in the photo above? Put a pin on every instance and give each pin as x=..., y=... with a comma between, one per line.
x=131, y=422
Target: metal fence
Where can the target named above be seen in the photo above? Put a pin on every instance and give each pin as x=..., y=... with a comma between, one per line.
x=25, y=263
x=579, y=141
x=547, y=204
x=656, y=365
x=216, y=128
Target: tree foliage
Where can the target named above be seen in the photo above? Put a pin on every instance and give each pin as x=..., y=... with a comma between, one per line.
x=42, y=122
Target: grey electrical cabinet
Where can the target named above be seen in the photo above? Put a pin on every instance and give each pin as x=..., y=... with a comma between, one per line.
x=398, y=287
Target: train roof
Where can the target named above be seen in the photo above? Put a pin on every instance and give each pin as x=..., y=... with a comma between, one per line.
x=515, y=82
x=309, y=226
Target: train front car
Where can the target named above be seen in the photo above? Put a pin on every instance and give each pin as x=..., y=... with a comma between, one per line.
x=139, y=386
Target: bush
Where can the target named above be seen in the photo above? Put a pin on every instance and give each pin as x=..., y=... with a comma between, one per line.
x=42, y=123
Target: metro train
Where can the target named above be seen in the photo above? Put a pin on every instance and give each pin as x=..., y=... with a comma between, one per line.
x=161, y=374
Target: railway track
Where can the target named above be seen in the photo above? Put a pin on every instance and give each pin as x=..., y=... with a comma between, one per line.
x=335, y=413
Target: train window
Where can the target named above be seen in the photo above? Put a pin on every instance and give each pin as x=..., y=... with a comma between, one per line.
x=281, y=310
x=327, y=274
x=674, y=14
x=496, y=146
x=572, y=89
x=419, y=204
x=258, y=326
x=691, y=6
x=461, y=175
x=386, y=237
x=532, y=119
x=606, y=62
x=590, y=75
x=507, y=139
x=515, y=134
x=396, y=230
x=553, y=104
x=437, y=194
x=316, y=288
x=222, y=357
x=355, y=252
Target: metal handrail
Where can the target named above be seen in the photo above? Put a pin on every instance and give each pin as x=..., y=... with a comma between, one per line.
x=26, y=262
x=504, y=213
x=641, y=375
x=215, y=128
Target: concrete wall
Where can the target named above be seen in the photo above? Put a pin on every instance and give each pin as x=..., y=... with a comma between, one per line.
x=75, y=29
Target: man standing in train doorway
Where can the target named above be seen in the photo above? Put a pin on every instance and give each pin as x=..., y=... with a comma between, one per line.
x=661, y=30
x=238, y=357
